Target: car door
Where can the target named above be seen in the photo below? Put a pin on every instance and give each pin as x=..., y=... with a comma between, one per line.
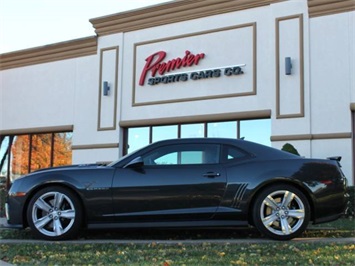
x=176, y=182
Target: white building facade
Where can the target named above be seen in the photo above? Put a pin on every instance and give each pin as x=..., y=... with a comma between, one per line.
x=271, y=71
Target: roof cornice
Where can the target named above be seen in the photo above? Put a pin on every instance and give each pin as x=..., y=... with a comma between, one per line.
x=171, y=12
x=48, y=53
x=318, y=8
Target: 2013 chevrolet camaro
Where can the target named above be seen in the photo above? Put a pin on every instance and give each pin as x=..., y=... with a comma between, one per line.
x=182, y=183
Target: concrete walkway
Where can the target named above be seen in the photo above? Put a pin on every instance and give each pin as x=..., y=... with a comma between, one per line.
x=3, y=263
x=3, y=222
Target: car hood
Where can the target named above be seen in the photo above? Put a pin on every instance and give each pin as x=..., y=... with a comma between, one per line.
x=69, y=167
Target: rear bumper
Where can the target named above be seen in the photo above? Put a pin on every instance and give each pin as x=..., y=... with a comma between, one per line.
x=328, y=219
x=333, y=209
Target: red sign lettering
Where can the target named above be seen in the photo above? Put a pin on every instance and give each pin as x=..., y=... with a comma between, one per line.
x=154, y=64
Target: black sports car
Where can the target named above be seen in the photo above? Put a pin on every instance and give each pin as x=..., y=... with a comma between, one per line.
x=183, y=182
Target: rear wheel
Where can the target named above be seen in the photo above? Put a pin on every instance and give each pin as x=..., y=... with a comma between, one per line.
x=54, y=213
x=281, y=212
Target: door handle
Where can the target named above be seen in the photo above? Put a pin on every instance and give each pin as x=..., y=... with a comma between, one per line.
x=211, y=174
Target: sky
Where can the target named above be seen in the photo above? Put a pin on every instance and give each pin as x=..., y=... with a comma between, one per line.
x=31, y=23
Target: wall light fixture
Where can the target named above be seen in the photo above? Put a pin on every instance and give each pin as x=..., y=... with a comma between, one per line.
x=288, y=65
x=106, y=88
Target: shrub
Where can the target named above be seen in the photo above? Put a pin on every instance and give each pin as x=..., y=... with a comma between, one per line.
x=289, y=148
x=2, y=201
x=350, y=210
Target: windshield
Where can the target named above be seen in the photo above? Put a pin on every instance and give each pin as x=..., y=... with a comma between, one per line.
x=124, y=157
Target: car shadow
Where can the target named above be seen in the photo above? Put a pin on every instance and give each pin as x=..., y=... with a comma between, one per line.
x=170, y=234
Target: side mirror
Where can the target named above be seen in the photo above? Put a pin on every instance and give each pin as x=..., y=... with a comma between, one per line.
x=135, y=163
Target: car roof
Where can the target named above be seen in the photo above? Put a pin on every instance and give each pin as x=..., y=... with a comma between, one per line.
x=254, y=148
x=257, y=150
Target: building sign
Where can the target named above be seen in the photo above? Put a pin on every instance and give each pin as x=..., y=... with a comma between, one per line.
x=214, y=64
x=155, y=65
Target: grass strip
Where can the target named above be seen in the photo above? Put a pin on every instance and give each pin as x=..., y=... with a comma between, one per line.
x=283, y=253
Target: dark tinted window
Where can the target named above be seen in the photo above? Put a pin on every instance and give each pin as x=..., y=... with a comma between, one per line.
x=183, y=154
x=231, y=153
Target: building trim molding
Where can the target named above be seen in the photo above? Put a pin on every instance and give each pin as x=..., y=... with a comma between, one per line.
x=197, y=118
x=22, y=131
x=343, y=135
x=49, y=53
x=172, y=12
x=114, y=90
x=95, y=146
x=318, y=8
x=278, y=21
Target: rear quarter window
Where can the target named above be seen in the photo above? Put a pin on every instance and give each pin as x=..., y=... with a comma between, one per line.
x=233, y=154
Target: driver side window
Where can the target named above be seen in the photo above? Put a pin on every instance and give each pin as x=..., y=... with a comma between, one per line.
x=183, y=155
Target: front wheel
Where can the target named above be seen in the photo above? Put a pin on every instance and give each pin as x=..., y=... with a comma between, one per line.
x=281, y=212
x=54, y=213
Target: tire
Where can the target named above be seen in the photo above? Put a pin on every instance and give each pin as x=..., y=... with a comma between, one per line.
x=281, y=212
x=54, y=213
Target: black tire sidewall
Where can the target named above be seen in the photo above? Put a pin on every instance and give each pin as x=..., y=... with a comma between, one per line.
x=256, y=212
x=73, y=231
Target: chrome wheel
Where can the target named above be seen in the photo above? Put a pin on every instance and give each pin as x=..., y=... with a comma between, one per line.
x=54, y=214
x=281, y=212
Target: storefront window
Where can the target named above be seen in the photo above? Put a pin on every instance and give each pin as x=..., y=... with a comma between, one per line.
x=257, y=130
x=193, y=131
x=4, y=158
x=20, y=154
x=41, y=151
x=138, y=137
x=62, y=153
x=222, y=130
x=31, y=152
x=164, y=132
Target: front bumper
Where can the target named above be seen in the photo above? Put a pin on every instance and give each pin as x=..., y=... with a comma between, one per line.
x=4, y=221
x=14, y=212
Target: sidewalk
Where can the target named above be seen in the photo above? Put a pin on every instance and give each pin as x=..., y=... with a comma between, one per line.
x=3, y=223
x=3, y=263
